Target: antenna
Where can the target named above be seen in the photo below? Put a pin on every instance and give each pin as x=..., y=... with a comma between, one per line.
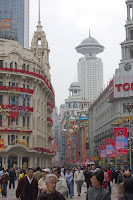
x=38, y=10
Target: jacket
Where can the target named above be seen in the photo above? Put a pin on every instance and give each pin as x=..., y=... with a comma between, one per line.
x=79, y=176
x=57, y=196
x=103, y=194
x=120, y=191
x=4, y=179
x=20, y=191
x=61, y=186
x=126, y=197
x=41, y=184
x=37, y=175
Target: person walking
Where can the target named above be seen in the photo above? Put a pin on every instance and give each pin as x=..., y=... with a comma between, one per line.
x=4, y=182
x=12, y=176
x=128, y=187
x=109, y=175
x=106, y=179
x=61, y=185
x=21, y=175
x=79, y=179
x=41, y=183
x=51, y=193
x=69, y=178
x=27, y=187
x=88, y=176
x=38, y=174
x=97, y=192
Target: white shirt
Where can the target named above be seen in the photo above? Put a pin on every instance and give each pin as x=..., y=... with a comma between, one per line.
x=30, y=180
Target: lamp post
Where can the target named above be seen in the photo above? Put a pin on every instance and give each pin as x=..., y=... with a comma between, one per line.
x=129, y=109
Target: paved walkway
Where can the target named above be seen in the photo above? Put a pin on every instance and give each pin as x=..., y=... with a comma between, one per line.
x=11, y=193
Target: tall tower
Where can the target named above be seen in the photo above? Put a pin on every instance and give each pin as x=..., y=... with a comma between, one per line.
x=90, y=68
x=14, y=21
x=40, y=47
x=127, y=46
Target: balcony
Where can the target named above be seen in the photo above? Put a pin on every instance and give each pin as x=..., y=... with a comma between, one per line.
x=49, y=121
x=49, y=107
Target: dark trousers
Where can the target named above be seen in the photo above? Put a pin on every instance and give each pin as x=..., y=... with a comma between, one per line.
x=109, y=186
x=89, y=184
x=11, y=182
x=4, y=189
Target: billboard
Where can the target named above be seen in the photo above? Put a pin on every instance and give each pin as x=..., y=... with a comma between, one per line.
x=109, y=144
x=102, y=151
x=120, y=135
x=121, y=87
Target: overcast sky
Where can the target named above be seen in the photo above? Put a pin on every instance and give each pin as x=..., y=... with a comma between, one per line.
x=66, y=23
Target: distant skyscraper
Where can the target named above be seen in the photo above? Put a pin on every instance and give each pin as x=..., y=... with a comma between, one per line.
x=14, y=20
x=90, y=69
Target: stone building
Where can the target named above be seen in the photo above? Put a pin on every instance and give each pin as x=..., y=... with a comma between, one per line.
x=26, y=103
x=109, y=108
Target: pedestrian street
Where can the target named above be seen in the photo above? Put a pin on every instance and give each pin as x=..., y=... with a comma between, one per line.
x=11, y=193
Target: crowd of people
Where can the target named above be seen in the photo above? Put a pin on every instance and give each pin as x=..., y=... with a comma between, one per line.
x=58, y=183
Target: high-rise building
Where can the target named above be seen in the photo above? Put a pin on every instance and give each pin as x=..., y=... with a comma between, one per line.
x=14, y=20
x=90, y=68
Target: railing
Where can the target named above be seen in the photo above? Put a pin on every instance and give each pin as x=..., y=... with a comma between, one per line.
x=50, y=120
x=49, y=104
x=16, y=89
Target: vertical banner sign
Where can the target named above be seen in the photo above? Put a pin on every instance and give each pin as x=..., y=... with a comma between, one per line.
x=120, y=135
x=102, y=151
x=109, y=144
x=84, y=144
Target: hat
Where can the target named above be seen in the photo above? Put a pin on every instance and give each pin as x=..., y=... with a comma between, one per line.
x=46, y=170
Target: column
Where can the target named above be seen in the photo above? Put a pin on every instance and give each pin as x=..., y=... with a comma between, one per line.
x=132, y=11
x=18, y=162
x=35, y=161
x=2, y=161
x=6, y=162
x=128, y=12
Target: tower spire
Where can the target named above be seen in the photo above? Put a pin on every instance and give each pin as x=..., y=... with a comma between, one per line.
x=89, y=33
x=39, y=11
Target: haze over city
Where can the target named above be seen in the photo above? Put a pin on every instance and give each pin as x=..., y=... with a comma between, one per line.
x=67, y=23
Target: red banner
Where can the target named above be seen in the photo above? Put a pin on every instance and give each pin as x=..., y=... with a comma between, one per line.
x=109, y=144
x=102, y=151
x=122, y=152
x=120, y=135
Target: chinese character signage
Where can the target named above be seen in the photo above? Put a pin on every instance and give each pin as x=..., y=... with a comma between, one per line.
x=102, y=151
x=120, y=135
x=109, y=144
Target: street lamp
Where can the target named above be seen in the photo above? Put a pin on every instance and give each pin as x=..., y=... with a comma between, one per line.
x=129, y=109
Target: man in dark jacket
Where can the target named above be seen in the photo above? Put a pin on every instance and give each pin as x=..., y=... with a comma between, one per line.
x=27, y=187
x=12, y=176
x=128, y=187
x=51, y=193
x=88, y=176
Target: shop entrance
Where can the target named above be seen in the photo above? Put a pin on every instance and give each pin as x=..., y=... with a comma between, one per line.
x=12, y=161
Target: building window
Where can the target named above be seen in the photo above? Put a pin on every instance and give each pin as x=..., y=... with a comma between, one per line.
x=27, y=67
x=13, y=84
x=11, y=65
x=28, y=122
x=23, y=121
x=131, y=53
x=1, y=99
x=1, y=63
x=28, y=102
x=27, y=86
x=23, y=67
x=1, y=83
x=15, y=65
x=13, y=100
x=23, y=85
x=12, y=139
x=27, y=141
x=8, y=139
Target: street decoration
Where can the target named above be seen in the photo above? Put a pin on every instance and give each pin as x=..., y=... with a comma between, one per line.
x=120, y=135
x=76, y=128
x=102, y=151
x=84, y=123
x=70, y=131
x=22, y=142
x=64, y=131
x=109, y=147
x=72, y=120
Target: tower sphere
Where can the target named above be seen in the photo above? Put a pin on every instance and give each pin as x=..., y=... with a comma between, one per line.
x=89, y=46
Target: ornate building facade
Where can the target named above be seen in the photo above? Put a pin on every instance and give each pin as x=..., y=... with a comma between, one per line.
x=26, y=103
